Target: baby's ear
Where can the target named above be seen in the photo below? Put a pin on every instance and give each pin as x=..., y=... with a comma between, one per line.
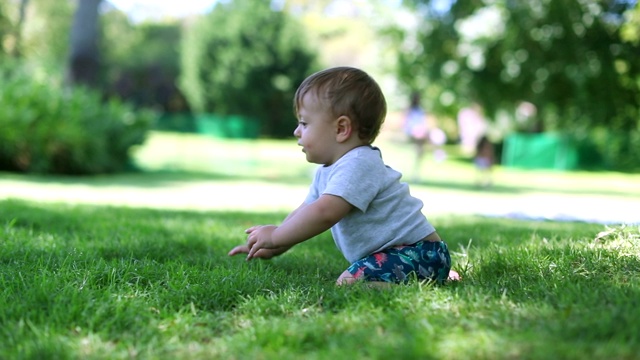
x=344, y=128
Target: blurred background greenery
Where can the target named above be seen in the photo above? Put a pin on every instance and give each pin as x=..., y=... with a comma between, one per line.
x=83, y=82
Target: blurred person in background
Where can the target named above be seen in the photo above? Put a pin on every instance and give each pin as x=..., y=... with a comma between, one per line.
x=484, y=160
x=471, y=126
x=417, y=130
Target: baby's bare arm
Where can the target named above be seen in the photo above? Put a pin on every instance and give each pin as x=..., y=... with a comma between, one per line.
x=293, y=213
x=308, y=221
x=266, y=253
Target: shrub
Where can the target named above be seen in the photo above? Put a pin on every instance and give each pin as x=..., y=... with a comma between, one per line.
x=244, y=58
x=48, y=129
x=618, y=150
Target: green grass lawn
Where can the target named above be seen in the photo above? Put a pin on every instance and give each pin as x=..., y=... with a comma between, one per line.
x=81, y=281
x=89, y=273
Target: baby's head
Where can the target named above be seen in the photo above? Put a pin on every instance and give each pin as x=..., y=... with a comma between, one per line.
x=347, y=91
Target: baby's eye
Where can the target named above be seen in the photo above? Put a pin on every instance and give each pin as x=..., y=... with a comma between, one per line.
x=302, y=123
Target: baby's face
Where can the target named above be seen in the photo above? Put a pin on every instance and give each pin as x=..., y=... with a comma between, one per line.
x=316, y=131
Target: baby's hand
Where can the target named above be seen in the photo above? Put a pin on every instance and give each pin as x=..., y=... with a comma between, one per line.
x=262, y=253
x=260, y=238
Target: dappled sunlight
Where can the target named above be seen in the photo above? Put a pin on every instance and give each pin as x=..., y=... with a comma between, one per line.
x=479, y=343
x=93, y=345
x=624, y=240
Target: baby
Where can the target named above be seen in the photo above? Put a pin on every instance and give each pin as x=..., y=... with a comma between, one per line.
x=375, y=222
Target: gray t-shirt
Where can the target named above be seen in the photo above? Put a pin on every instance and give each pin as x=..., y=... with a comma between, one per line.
x=385, y=214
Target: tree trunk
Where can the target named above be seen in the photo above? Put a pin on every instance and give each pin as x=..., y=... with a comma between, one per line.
x=17, y=48
x=84, y=58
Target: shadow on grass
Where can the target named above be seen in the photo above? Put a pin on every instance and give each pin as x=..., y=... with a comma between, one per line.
x=202, y=237
x=183, y=239
x=159, y=178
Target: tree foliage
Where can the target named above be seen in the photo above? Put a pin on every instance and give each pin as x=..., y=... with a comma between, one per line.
x=45, y=33
x=48, y=128
x=244, y=58
x=5, y=27
x=631, y=27
x=142, y=62
x=567, y=57
x=575, y=60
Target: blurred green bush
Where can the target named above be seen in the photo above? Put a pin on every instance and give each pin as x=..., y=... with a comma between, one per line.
x=613, y=149
x=247, y=59
x=46, y=128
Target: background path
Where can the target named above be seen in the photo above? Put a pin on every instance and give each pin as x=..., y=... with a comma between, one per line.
x=266, y=196
x=193, y=172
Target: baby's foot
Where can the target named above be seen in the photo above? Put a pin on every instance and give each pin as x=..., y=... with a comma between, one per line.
x=454, y=276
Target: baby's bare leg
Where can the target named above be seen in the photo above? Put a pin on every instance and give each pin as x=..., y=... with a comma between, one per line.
x=347, y=279
x=454, y=276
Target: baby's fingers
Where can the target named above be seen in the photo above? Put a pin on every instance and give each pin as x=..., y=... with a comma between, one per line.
x=252, y=229
x=263, y=254
x=240, y=249
x=253, y=249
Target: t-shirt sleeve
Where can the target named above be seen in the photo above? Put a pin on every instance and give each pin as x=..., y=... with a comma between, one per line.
x=356, y=180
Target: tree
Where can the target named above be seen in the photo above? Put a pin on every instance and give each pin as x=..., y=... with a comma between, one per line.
x=84, y=59
x=146, y=78
x=565, y=56
x=245, y=58
x=17, y=52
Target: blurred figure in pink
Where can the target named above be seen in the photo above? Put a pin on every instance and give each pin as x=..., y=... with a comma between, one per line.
x=438, y=138
x=471, y=126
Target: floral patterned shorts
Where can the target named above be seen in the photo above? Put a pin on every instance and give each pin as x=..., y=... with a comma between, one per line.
x=424, y=260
